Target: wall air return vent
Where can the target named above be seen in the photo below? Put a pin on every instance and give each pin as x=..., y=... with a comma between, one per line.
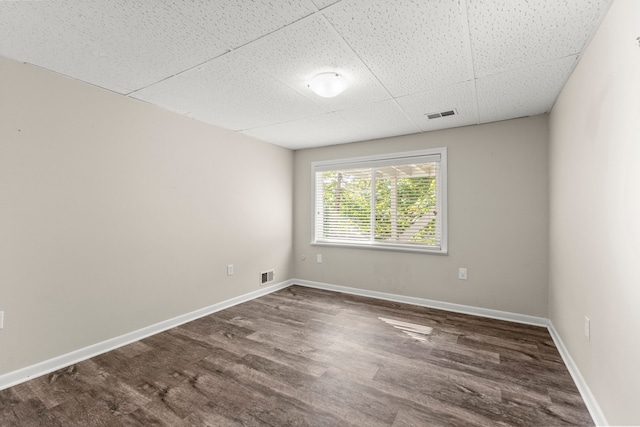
x=432, y=116
x=267, y=277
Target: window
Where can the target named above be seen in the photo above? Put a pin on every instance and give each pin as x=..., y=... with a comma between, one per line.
x=395, y=201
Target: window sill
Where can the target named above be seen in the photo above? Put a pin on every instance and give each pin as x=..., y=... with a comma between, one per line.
x=383, y=247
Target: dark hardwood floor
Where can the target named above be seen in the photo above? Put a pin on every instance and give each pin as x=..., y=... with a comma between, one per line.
x=307, y=357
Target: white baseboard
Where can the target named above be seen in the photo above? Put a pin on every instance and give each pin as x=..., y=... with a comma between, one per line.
x=447, y=306
x=592, y=405
x=21, y=375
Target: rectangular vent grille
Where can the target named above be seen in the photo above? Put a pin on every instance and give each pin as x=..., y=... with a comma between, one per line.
x=266, y=277
x=432, y=116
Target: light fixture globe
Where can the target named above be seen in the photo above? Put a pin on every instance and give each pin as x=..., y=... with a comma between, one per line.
x=328, y=85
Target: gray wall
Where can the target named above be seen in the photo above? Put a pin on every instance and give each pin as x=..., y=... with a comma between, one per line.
x=115, y=215
x=595, y=214
x=498, y=221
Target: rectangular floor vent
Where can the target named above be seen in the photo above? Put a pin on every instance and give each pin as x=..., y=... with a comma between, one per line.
x=266, y=277
x=432, y=116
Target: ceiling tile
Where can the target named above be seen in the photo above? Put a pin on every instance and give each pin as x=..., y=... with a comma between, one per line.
x=240, y=22
x=326, y=129
x=33, y=32
x=321, y=4
x=508, y=34
x=121, y=45
x=379, y=120
x=460, y=97
x=524, y=92
x=300, y=51
x=230, y=92
x=411, y=46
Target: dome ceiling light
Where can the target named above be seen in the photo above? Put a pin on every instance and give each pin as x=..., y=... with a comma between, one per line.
x=328, y=85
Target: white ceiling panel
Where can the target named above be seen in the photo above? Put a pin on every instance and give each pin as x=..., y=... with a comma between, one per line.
x=326, y=129
x=509, y=34
x=379, y=120
x=31, y=32
x=460, y=97
x=300, y=51
x=524, y=92
x=240, y=22
x=411, y=46
x=121, y=45
x=321, y=4
x=230, y=92
x=24, y=26
x=245, y=64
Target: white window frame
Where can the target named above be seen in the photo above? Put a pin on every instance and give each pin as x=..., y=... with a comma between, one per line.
x=377, y=160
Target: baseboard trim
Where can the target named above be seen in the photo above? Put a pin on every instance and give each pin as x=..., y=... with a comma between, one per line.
x=590, y=401
x=457, y=308
x=30, y=372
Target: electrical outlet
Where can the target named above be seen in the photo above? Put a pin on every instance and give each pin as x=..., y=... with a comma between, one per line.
x=230, y=270
x=587, y=328
x=319, y=258
x=1, y=319
x=462, y=273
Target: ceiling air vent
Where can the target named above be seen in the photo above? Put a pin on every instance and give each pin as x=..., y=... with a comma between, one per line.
x=432, y=116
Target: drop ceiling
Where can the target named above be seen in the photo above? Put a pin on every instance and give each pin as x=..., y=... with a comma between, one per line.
x=244, y=65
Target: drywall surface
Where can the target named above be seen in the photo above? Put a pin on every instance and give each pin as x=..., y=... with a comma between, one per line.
x=595, y=214
x=497, y=215
x=115, y=215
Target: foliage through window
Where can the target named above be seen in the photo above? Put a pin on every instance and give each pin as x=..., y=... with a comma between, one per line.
x=396, y=201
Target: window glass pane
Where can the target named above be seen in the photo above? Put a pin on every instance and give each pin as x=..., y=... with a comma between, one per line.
x=406, y=204
x=346, y=198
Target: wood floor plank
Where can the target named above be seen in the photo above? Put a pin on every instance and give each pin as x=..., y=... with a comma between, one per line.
x=309, y=357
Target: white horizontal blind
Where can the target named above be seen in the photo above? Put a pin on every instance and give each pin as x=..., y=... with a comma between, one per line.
x=391, y=202
x=343, y=200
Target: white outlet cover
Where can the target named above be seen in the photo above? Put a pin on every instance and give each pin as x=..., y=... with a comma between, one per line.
x=319, y=258
x=230, y=270
x=462, y=273
x=1, y=319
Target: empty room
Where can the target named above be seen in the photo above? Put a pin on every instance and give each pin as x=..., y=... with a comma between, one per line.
x=319, y=213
